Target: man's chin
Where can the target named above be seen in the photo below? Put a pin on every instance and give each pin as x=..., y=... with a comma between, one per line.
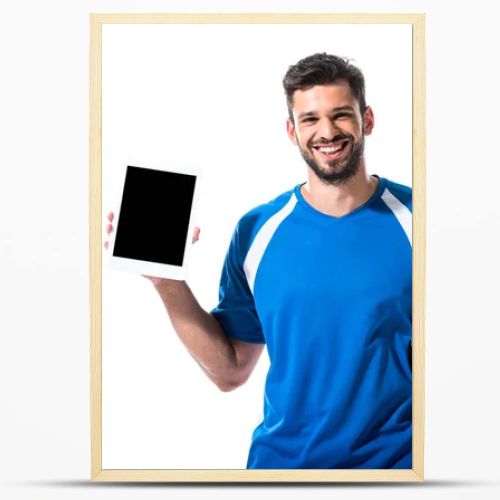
x=335, y=180
x=334, y=167
x=334, y=174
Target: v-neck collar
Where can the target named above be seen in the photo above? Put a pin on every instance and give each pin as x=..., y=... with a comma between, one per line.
x=373, y=199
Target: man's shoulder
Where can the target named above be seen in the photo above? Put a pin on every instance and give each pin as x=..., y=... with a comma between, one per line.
x=253, y=220
x=269, y=208
x=402, y=192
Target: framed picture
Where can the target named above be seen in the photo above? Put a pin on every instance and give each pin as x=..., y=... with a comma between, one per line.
x=206, y=90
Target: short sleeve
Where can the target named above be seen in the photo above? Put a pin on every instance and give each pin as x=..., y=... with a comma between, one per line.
x=235, y=311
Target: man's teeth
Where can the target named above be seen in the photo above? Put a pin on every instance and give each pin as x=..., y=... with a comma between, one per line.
x=330, y=149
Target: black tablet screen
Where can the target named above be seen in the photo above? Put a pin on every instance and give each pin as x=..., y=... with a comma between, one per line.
x=154, y=216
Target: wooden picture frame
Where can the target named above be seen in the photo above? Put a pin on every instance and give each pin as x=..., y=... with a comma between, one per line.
x=96, y=217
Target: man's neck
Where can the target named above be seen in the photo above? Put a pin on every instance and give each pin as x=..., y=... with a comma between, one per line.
x=339, y=200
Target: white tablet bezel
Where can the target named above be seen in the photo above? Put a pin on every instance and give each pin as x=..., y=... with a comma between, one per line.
x=147, y=268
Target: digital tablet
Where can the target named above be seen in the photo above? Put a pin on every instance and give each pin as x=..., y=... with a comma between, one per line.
x=154, y=224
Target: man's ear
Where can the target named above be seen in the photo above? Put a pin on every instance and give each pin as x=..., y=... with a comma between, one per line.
x=290, y=129
x=368, y=121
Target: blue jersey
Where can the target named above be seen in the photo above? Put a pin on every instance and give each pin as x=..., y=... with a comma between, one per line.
x=331, y=297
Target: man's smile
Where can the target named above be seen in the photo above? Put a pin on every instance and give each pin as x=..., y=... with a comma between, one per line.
x=332, y=150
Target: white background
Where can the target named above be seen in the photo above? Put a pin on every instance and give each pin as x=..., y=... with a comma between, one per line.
x=218, y=106
x=44, y=364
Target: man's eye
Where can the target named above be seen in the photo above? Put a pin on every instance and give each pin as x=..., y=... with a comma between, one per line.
x=309, y=119
x=341, y=115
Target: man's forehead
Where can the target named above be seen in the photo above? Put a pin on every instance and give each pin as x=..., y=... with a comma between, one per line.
x=340, y=90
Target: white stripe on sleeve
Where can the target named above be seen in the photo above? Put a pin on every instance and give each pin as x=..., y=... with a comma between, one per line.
x=262, y=239
x=400, y=211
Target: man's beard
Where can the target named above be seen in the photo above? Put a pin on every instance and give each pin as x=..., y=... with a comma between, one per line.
x=336, y=174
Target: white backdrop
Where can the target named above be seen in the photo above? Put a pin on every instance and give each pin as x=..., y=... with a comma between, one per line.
x=210, y=96
x=44, y=358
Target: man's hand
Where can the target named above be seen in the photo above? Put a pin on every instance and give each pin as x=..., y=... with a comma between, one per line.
x=153, y=279
x=227, y=362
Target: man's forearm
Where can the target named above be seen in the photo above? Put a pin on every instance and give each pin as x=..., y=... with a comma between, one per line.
x=201, y=333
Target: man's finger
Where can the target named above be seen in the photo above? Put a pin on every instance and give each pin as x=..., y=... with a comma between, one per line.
x=111, y=216
x=196, y=234
x=106, y=244
x=109, y=228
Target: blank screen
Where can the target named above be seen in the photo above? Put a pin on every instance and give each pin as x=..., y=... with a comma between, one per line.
x=154, y=216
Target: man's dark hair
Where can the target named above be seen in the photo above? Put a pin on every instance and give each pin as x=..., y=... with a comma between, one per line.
x=323, y=69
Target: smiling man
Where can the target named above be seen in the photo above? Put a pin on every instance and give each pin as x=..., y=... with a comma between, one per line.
x=322, y=276
x=342, y=153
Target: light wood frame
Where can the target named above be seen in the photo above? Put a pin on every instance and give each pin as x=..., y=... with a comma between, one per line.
x=95, y=254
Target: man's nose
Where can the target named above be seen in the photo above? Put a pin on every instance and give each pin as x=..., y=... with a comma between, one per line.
x=327, y=129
